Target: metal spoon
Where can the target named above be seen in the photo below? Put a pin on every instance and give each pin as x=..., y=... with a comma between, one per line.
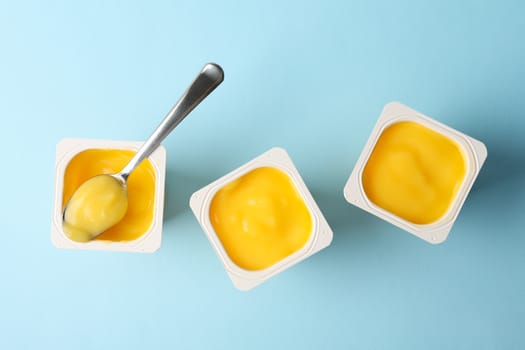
x=205, y=82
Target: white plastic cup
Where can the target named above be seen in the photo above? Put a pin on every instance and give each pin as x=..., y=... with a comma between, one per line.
x=320, y=236
x=148, y=242
x=474, y=153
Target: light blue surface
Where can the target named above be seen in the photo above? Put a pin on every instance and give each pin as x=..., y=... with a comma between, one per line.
x=311, y=77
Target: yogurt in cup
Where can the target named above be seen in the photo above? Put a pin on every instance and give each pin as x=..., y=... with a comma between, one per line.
x=141, y=228
x=415, y=172
x=261, y=219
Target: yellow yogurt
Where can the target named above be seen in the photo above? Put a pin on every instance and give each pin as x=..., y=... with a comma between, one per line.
x=414, y=172
x=96, y=205
x=260, y=218
x=139, y=212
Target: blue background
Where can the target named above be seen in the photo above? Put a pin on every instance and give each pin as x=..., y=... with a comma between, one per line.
x=309, y=76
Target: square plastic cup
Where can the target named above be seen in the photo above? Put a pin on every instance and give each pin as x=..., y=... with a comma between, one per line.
x=147, y=242
x=473, y=154
x=319, y=235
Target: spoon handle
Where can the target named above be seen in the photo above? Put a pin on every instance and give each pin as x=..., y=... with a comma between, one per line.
x=206, y=81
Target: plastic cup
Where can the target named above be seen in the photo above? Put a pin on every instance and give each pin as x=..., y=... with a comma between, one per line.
x=319, y=237
x=474, y=154
x=150, y=240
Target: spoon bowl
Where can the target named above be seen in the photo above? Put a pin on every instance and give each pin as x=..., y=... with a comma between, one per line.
x=101, y=201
